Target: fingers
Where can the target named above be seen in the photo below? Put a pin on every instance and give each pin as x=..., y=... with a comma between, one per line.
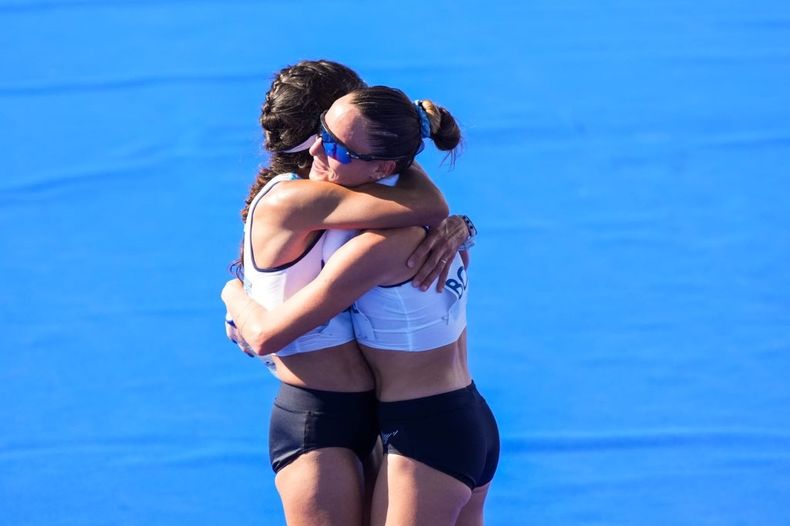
x=232, y=332
x=424, y=275
x=233, y=285
x=443, y=275
x=233, y=335
x=245, y=348
x=437, y=264
x=424, y=248
x=440, y=248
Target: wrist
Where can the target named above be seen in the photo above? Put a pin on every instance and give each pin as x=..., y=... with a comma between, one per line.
x=245, y=312
x=471, y=233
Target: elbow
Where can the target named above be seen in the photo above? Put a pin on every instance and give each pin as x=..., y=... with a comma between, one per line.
x=443, y=209
x=438, y=213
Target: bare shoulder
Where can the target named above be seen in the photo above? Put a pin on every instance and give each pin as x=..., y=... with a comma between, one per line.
x=299, y=203
x=291, y=193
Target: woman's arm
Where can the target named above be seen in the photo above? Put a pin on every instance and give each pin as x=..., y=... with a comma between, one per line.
x=370, y=259
x=314, y=205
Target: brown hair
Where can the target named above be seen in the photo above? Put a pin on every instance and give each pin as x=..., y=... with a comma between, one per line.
x=395, y=124
x=290, y=114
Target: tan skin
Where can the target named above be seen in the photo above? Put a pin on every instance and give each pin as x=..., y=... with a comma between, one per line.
x=407, y=492
x=442, y=242
x=292, y=214
x=286, y=220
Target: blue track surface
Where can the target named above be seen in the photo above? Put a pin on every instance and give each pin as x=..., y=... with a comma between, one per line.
x=627, y=163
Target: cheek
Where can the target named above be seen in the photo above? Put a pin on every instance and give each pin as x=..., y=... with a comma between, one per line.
x=337, y=172
x=319, y=170
x=353, y=174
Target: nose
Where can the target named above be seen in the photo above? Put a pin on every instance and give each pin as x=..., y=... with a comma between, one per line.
x=318, y=147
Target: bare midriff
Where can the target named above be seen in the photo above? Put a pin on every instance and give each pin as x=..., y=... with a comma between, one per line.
x=406, y=375
x=341, y=368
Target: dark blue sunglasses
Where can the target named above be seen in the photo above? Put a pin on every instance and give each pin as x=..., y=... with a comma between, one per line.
x=334, y=148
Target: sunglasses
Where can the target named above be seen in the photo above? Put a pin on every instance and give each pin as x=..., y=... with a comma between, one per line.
x=334, y=148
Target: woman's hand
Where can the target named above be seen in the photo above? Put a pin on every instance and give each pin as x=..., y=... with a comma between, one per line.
x=232, y=287
x=437, y=252
x=233, y=335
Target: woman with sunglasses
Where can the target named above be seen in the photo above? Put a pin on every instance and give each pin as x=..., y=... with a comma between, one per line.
x=440, y=438
x=323, y=421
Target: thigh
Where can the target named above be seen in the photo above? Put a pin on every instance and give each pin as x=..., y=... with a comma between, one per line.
x=371, y=467
x=409, y=492
x=472, y=513
x=323, y=487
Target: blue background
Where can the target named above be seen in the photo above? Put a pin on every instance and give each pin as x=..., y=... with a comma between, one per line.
x=627, y=164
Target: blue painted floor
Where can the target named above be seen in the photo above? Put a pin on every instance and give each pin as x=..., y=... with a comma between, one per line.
x=626, y=163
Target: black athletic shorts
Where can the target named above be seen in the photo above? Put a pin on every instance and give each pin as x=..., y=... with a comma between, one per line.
x=453, y=432
x=306, y=419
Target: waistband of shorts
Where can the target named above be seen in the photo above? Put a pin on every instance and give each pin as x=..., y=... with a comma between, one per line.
x=429, y=405
x=298, y=398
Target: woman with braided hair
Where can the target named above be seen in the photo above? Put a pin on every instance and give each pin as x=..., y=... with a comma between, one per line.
x=323, y=423
x=440, y=438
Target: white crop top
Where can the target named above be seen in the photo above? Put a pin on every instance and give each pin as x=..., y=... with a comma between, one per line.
x=404, y=318
x=272, y=286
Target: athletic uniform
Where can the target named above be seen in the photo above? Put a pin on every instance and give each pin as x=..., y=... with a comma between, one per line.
x=306, y=419
x=453, y=432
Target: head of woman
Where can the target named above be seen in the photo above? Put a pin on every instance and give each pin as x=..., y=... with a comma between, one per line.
x=290, y=116
x=299, y=94
x=375, y=132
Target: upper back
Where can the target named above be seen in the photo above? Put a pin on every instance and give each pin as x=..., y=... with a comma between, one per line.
x=270, y=285
x=404, y=318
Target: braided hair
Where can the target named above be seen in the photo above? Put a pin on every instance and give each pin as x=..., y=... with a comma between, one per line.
x=290, y=114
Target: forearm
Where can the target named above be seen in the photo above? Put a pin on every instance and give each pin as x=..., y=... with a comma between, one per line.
x=355, y=268
x=314, y=305
x=428, y=199
x=413, y=201
x=267, y=331
x=315, y=205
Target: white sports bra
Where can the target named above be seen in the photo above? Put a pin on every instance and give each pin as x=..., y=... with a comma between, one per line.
x=272, y=286
x=404, y=318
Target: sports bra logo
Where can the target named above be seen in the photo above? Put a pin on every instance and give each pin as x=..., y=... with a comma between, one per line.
x=458, y=286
